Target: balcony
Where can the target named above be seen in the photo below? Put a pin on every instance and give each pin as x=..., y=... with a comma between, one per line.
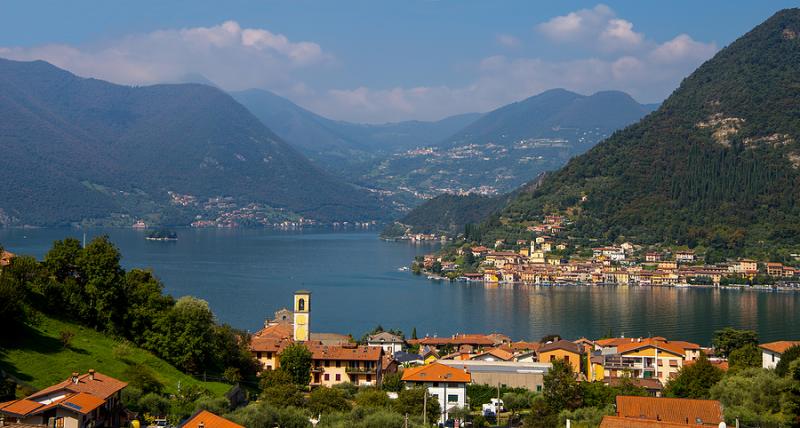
x=318, y=369
x=360, y=370
x=619, y=363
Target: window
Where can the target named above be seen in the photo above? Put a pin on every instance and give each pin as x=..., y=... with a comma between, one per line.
x=436, y=384
x=452, y=398
x=327, y=363
x=327, y=376
x=338, y=363
x=566, y=358
x=269, y=367
x=552, y=358
x=301, y=304
x=538, y=388
x=258, y=355
x=369, y=378
x=338, y=377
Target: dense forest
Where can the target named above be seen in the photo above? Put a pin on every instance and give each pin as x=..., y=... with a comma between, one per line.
x=447, y=214
x=716, y=165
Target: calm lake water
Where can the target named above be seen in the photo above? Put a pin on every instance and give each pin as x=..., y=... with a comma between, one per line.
x=248, y=274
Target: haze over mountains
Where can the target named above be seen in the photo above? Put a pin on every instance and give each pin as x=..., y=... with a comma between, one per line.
x=78, y=149
x=491, y=153
x=85, y=150
x=717, y=165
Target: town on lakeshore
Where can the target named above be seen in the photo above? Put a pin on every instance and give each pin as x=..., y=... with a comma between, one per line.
x=466, y=379
x=550, y=258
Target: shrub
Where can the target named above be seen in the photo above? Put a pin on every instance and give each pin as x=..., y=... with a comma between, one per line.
x=325, y=400
x=142, y=377
x=66, y=336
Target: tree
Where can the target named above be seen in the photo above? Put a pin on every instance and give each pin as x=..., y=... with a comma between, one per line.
x=283, y=395
x=516, y=401
x=373, y=398
x=184, y=335
x=296, y=360
x=561, y=391
x=325, y=400
x=103, y=288
x=410, y=401
x=393, y=382
x=414, y=333
x=695, y=380
x=729, y=339
x=270, y=378
x=541, y=415
x=744, y=357
x=756, y=397
x=791, y=354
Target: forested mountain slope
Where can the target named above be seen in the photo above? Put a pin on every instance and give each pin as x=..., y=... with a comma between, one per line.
x=79, y=149
x=718, y=164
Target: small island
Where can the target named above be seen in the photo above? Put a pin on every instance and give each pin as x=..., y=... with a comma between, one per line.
x=162, y=235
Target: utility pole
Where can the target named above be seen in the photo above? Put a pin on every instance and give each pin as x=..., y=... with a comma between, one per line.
x=425, y=408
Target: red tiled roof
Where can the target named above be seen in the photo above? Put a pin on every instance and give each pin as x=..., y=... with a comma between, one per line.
x=525, y=346
x=498, y=353
x=347, y=353
x=20, y=407
x=436, y=372
x=674, y=410
x=101, y=386
x=779, y=347
x=208, y=420
x=82, y=403
x=645, y=343
x=618, y=422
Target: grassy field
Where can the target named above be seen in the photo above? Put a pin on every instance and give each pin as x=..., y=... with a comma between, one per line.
x=39, y=358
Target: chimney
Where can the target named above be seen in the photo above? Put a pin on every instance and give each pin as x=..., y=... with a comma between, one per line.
x=74, y=378
x=201, y=425
x=91, y=374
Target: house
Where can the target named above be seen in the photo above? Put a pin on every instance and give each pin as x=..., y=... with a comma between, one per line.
x=447, y=384
x=771, y=352
x=511, y=374
x=775, y=269
x=685, y=257
x=610, y=253
x=652, y=257
x=89, y=400
x=676, y=411
x=561, y=350
x=390, y=343
x=644, y=358
x=494, y=354
x=745, y=267
x=359, y=365
x=479, y=251
x=206, y=419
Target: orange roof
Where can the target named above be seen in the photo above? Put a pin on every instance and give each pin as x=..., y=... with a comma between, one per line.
x=82, y=402
x=436, y=372
x=779, y=347
x=101, y=386
x=19, y=407
x=674, y=410
x=564, y=345
x=645, y=343
x=498, y=353
x=525, y=346
x=208, y=420
x=347, y=353
x=618, y=422
x=268, y=344
x=276, y=331
x=5, y=258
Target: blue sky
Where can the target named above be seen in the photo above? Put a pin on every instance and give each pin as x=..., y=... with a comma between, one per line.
x=378, y=60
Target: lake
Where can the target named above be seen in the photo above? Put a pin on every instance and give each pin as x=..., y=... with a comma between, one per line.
x=248, y=274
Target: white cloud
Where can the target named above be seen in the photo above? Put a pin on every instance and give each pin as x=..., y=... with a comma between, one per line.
x=227, y=54
x=599, y=28
x=507, y=40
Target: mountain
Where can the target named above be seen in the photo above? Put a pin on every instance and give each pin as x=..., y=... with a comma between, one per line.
x=78, y=149
x=337, y=145
x=717, y=165
x=505, y=148
x=447, y=214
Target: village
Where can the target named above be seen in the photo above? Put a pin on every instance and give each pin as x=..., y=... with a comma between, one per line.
x=446, y=368
x=549, y=259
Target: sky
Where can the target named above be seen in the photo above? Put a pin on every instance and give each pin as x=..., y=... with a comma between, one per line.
x=384, y=61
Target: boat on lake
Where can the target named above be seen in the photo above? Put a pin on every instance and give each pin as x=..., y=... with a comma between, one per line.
x=162, y=235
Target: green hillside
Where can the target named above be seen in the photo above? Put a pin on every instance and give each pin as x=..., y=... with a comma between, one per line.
x=39, y=358
x=79, y=149
x=718, y=164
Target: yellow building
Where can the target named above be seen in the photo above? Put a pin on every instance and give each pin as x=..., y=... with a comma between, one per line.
x=646, y=358
x=359, y=365
x=561, y=350
x=302, y=315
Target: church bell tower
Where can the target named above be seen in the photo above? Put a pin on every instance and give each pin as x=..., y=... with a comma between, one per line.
x=302, y=314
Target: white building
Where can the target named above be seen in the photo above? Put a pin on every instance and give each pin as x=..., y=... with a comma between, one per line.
x=389, y=342
x=771, y=352
x=447, y=384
